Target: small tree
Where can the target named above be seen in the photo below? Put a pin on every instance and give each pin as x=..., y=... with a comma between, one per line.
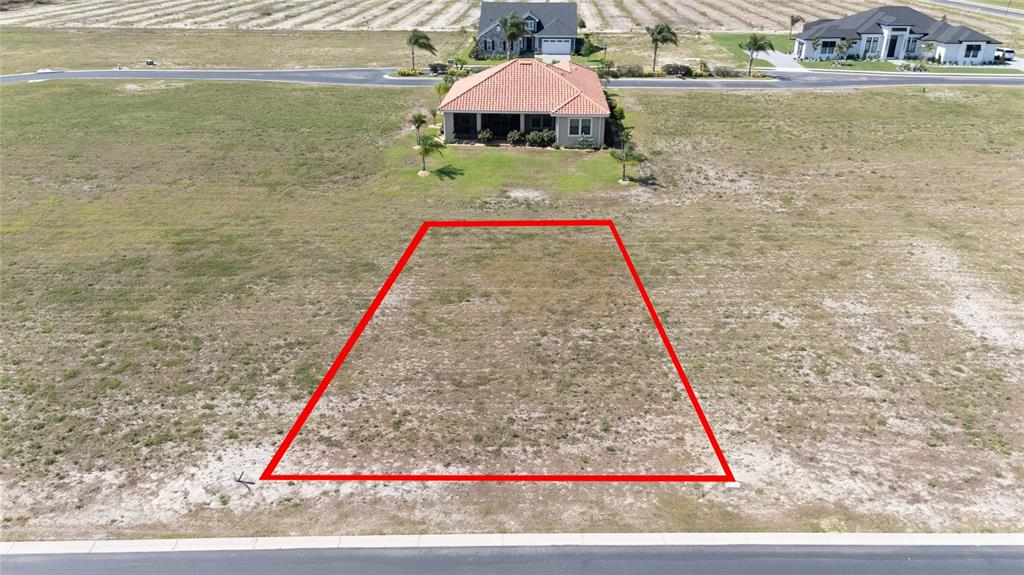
x=661, y=33
x=793, y=21
x=418, y=120
x=843, y=48
x=815, y=44
x=444, y=86
x=754, y=44
x=628, y=155
x=433, y=114
x=927, y=49
x=580, y=23
x=514, y=28
x=418, y=39
x=428, y=146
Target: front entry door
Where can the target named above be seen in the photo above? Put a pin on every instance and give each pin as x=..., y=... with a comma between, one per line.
x=891, y=50
x=529, y=44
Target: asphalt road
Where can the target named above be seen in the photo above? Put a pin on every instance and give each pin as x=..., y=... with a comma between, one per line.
x=376, y=77
x=984, y=9
x=731, y=560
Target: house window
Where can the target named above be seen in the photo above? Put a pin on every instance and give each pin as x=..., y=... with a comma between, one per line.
x=972, y=50
x=580, y=126
x=899, y=29
x=871, y=45
x=828, y=47
x=536, y=123
x=912, y=45
x=531, y=25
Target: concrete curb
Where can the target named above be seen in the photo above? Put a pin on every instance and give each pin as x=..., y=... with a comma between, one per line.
x=511, y=540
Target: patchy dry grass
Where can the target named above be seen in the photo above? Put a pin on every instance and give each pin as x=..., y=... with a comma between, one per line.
x=181, y=262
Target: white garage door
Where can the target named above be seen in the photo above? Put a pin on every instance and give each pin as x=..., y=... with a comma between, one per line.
x=557, y=46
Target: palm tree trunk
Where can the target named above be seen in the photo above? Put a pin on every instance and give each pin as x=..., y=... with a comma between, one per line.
x=412, y=50
x=623, y=171
x=423, y=161
x=790, y=35
x=750, y=64
x=654, y=64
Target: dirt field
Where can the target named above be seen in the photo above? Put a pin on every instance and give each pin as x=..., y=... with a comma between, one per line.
x=182, y=260
x=599, y=15
x=534, y=354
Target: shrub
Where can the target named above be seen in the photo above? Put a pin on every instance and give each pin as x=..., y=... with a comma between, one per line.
x=540, y=139
x=589, y=48
x=474, y=52
x=515, y=137
x=700, y=74
x=703, y=67
x=758, y=74
x=912, y=67
x=725, y=72
x=485, y=136
x=438, y=68
x=584, y=143
x=630, y=71
x=681, y=70
x=408, y=72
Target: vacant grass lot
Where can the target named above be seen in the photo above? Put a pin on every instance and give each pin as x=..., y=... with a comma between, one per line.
x=29, y=49
x=181, y=261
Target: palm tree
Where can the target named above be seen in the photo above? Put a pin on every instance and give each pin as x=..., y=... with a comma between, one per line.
x=628, y=155
x=793, y=21
x=514, y=28
x=660, y=34
x=428, y=146
x=418, y=120
x=752, y=45
x=418, y=39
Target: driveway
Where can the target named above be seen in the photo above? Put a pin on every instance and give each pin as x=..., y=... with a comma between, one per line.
x=784, y=79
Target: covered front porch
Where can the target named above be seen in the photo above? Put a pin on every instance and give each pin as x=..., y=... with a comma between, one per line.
x=468, y=125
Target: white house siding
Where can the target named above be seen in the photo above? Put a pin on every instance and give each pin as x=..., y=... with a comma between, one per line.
x=449, y=126
x=562, y=137
x=955, y=53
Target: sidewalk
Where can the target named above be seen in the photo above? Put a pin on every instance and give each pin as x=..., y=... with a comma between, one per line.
x=511, y=540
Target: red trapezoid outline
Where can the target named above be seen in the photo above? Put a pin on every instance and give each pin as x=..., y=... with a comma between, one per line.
x=268, y=473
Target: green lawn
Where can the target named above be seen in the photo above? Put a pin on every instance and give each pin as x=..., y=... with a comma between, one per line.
x=851, y=65
x=884, y=66
x=731, y=42
x=974, y=70
x=468, y=171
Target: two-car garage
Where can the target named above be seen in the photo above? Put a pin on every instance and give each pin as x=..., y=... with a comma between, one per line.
x=562, y=46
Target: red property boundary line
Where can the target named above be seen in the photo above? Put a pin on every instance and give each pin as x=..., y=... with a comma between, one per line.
x=268, y=473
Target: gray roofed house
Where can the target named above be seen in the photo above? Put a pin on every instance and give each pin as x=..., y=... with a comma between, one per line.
x=894, y=33
x=550, y=28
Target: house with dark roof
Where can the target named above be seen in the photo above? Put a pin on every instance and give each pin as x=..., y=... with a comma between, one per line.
x=894, y=33
x=528, y=95
x=550, y=28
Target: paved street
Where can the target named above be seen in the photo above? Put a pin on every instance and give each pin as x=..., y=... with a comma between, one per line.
x=982, y=8
x=729, y=560
x=785, y=79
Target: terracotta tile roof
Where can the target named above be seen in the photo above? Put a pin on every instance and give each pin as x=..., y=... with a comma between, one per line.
x=529, y=85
